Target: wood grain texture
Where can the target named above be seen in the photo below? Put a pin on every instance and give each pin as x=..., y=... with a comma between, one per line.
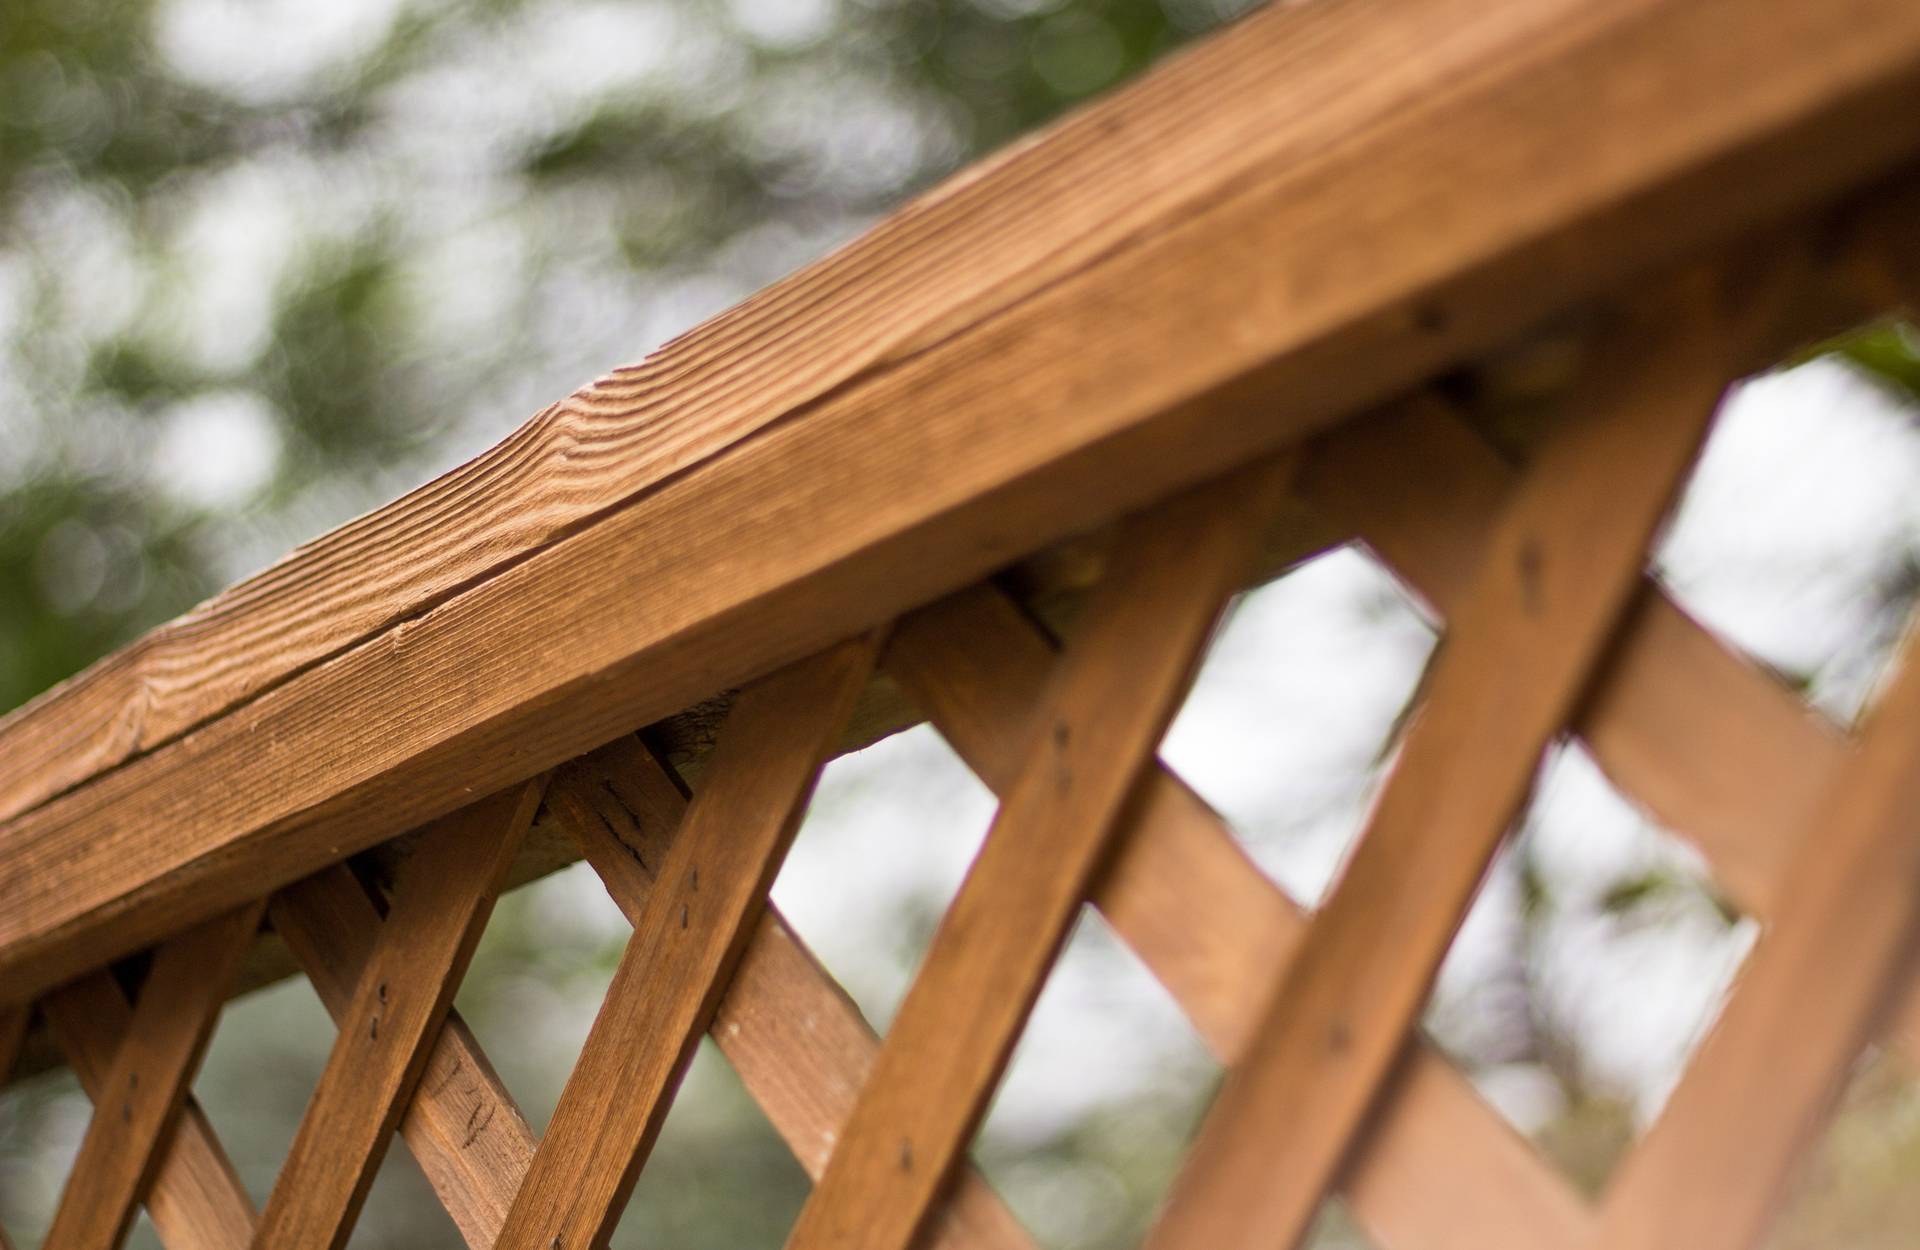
x=1437, y=1169
x=1561, y=567
x=689, y=936
x=141, y=1098
x=1716, y=749
x=462, y=1125
x=1337, y=220
x=405, y=987
x=1101, y=716
x=1843, y=264
x=1715, y=1166
x=195, y=1200
x=796, y=1040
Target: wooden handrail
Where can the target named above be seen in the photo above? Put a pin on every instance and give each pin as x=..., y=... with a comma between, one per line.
x=1315, y=209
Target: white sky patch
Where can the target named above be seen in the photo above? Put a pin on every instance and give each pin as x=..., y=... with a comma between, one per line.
x=501, y=90
x=236, y=237
x=1804, y=499
x=267, y=50
x=1284, y=728
x=216, y=450
x=784, y=23
x=1587, y=835
x=1103, y=1030
x=99, y=275
x=578, y=53
x=892, y=828
x=463, y=285
x=1640, y=995
x=860, y=138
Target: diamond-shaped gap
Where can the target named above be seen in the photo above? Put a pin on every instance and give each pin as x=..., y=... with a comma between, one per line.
x=884, y=844
x=1109, y=1080
x=539, y=975
x=267, y=1052
x=1104, y=1090
x=1798, y=537
x=718, y=1174
x=1292, y=721
x=880, y=855
x=1855, y=1186
x=1594, y=959
x=265, y=1057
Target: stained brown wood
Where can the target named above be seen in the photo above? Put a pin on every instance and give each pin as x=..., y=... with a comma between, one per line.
x=195, y=1200
x=902, y=425
x=1719, y=751
x=691, y=931
x=462, y=1125
x=141, y=1098
x=1103, y=178
x=1438, y=1169
x=1715, y=1165
x=1716, y=748
x=1101, y=716
x=406, y=984
x=1560, y=569
x=796, y=1040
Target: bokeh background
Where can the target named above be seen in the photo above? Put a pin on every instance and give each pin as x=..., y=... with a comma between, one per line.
x=266, y=264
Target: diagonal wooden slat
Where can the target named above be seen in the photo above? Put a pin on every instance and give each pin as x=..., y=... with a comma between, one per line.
x=440, y=905
x=799, y=1045
x=141, y=1098
x=1560, y=570
x=462, y=1125
x=1721, y=752
x=1438, y=1168
x=1102, y=714
x=687, y=941
x=1359, y=231
x=1714, y=1167
x=196, y=1200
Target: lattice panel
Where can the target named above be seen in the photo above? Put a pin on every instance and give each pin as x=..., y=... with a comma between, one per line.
x=1552, y=628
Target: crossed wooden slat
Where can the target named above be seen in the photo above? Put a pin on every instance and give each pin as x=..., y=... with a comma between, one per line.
x=1096, y=724
x=404, y=990
x=1560, y=569
x=142, y=1093
x=688, y=937
x=1087, y=816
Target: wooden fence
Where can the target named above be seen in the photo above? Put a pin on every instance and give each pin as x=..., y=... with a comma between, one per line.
x=1213, y=306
